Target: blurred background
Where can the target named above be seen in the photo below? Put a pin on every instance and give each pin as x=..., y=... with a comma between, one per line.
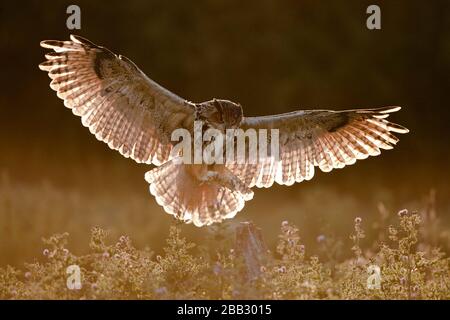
x=272, y=57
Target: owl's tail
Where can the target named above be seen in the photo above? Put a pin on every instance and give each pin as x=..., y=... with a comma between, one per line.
x=198, y=193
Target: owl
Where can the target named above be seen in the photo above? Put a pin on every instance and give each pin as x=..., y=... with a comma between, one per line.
x=136, y=116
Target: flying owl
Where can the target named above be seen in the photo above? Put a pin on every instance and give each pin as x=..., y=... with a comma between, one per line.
x=136, y=116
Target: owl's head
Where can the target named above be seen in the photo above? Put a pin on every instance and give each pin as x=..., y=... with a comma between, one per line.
x=221, y=114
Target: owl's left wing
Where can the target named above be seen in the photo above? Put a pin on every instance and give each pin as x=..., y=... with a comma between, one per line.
x=323, y=138
x=119, y=104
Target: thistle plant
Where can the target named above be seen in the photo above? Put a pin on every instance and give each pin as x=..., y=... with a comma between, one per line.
x=410, y=267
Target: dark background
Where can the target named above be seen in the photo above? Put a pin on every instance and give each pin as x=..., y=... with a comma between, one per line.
x=272, y=57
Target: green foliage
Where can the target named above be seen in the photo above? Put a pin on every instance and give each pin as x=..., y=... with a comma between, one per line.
x=216, y=270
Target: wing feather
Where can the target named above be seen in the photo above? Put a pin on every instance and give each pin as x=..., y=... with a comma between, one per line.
x=117, y=102
x=318, y=138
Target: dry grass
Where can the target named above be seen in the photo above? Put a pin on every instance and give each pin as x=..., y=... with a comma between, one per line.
x=120, y=271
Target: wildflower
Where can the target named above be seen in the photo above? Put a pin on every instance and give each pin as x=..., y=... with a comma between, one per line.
x=403, y=213
x=262, y=269
x=358, y=220
x=161, y=290
x=321, y=238
x=285, y=223
x=46, y=252
x=65, y=251
x=105, y=255
x=282, y=269
x=217, y=269
x=28, y=274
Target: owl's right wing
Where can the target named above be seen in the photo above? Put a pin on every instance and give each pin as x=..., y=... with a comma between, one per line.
x=117, y=102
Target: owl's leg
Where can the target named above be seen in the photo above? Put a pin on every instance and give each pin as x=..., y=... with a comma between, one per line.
x=221, y=175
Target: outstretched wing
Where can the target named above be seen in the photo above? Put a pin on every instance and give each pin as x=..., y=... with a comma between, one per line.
x=117, y=102
x=323, y=138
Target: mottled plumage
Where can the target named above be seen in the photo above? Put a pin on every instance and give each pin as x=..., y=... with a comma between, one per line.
x=136, y=116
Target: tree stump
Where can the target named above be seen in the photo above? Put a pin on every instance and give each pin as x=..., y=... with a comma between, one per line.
x=250, y=247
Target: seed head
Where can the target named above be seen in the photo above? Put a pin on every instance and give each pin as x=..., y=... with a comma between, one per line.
x=403, y=213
